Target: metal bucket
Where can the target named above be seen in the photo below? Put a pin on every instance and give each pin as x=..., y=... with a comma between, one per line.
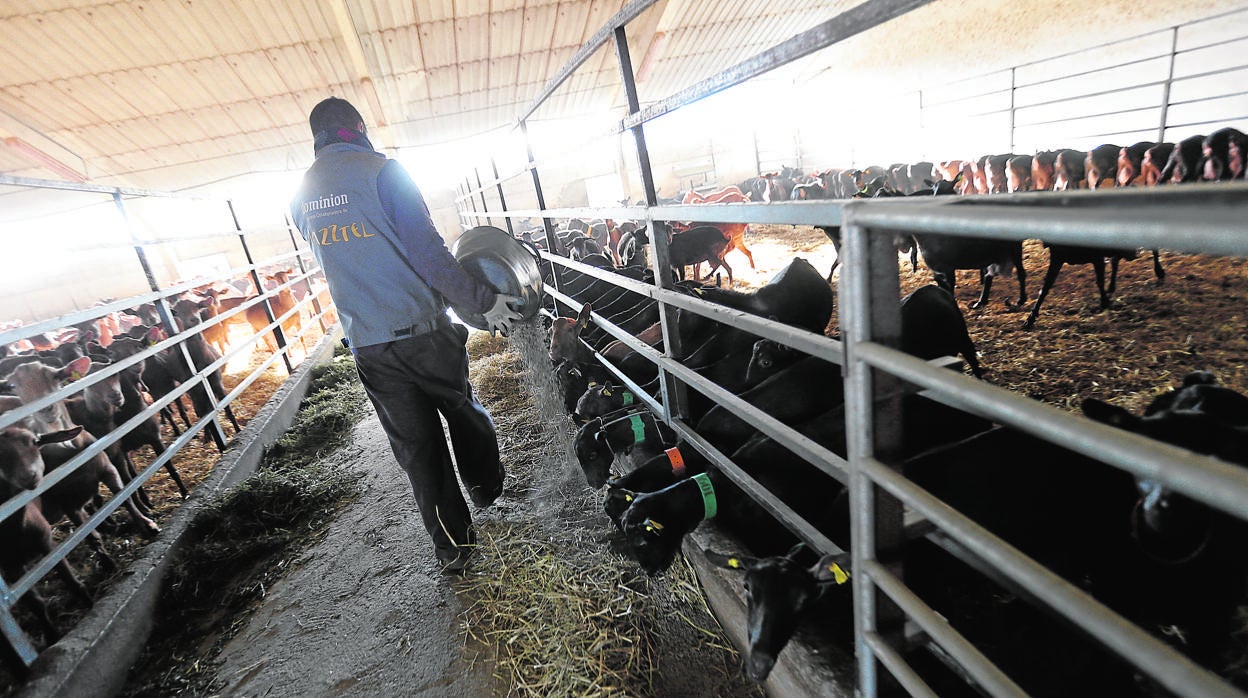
x=504, y=264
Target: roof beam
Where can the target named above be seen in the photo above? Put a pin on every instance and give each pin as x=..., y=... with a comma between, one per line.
x=355, y=52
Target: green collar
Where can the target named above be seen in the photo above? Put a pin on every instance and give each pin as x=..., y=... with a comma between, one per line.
x=709, y=505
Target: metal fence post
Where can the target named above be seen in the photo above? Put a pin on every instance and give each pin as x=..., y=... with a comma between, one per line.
x=465, y=221
x=870, y=313
x=303, y=269
x=1013, y=88
x=553, y=244
x=1165, y=90
x=502, y=200
x=166, y=318
x=255, y=278
x=481, y=191
x=675, y=397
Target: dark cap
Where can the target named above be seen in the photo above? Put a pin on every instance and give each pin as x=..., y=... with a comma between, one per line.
x=332, y=114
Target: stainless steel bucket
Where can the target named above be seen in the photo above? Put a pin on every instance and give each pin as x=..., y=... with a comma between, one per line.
x=504, y=264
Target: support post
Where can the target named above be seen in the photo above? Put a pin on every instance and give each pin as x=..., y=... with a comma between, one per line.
x=870, y=313
x=255, y=278
x=1165, y=90
x=502, y=200
x=485, y=208
x=166, y=319
x=675, y=396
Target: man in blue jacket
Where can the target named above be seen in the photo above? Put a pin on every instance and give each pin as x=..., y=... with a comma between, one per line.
x=391, y=277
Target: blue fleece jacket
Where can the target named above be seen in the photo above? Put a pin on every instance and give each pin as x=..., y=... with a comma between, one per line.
x=389, y=272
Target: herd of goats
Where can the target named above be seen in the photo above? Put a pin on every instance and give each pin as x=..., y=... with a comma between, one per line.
x=33, y=368
x=1172, y=565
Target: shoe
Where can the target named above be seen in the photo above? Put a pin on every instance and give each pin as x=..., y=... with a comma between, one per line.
x=483, y=499
x=454, y=561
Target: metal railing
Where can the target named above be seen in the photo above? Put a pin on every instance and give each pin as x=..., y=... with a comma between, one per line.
x=887, y=508
x=1146, y=87
x=163, y=298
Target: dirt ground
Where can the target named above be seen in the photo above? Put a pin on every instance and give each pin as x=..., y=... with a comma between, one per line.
x=367, y=611
x=1144, y=344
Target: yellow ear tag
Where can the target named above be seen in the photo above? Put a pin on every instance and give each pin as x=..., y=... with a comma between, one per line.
x=628, y=497
x=653, y=527
x=606, y=392
x=77, y=375
x=734, y=563
x=839, y=575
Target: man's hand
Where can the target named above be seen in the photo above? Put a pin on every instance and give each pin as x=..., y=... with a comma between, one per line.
x=500, y=317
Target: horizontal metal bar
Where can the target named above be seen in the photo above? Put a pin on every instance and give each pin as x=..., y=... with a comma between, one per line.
x=225, y=234
x=626, y=14
x=829, y=463
x=1171, y=669
x=929, y=104
x=897, y=666
x=1068, y=54
x=18, y=501
x=1078, y=117
x=1209, y=215
x=78, y=316
x=980, y=668
x=80, y=533
x=817, y=212
x=794, y=337
x=35, y=183
x=496, y=181
x=48, y=563
x=1210, y=73
x=12, y=505
x=1210, y=122
x=755, y=491
x=869, y=14
x=96, y=312
x=1216, y=482
x=1094, y=71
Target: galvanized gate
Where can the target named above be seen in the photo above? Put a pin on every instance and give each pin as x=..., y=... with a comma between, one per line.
x=280, y=246
x=886, y=507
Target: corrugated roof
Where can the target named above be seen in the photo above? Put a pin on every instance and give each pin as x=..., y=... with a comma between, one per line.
x=172, y=94
x=169, y=95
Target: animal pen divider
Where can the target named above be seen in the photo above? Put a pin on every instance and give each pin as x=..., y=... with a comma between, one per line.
x=160, y=295
x=886, y=508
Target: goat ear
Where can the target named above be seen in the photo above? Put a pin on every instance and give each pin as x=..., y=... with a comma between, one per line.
x=832, y=569
x=53, y=437
x=582, y=319
x=795, y=550
x=76, y=369
x=741, y=563
x=1200, y=378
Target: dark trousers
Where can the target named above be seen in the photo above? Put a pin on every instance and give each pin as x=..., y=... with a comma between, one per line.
x=409, y=382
